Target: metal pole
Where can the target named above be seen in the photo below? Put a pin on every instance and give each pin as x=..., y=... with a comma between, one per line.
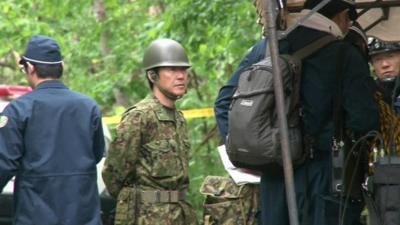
x=279, y=99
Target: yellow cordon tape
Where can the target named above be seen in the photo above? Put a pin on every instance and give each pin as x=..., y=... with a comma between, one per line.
x=111, y=120
x=188, y=114
x=198, y=113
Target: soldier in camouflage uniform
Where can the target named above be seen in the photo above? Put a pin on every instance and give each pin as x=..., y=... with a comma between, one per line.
x=147, y=166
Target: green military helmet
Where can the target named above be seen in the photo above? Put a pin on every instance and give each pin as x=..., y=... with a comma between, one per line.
x=165, y=52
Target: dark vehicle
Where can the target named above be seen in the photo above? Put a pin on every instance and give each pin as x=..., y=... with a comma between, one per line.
x=7, y=93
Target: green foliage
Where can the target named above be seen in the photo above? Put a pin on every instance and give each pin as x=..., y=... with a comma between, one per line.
x=103, y=43
x=205, y=160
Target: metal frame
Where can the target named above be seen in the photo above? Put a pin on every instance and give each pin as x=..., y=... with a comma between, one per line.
x=297, y=7
x=365, y=6
x=385, y=16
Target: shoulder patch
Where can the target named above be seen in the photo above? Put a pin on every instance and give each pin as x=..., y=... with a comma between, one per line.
x=3, y=121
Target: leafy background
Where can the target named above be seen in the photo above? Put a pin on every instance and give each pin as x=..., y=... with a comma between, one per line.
x=103, y=43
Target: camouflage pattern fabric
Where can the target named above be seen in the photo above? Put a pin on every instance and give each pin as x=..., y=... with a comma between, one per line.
x=390, y=125
x=150, y=152
x=229, y=204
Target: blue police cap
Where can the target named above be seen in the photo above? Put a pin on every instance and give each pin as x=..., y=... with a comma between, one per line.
x=42, y=50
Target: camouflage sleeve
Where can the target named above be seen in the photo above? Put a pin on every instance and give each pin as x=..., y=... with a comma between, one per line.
x=187, y=142
x=122, y=156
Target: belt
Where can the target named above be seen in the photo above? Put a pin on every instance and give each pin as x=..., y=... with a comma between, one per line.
x=162, y=196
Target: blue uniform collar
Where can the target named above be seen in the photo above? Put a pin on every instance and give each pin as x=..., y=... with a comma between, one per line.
x=51, y=84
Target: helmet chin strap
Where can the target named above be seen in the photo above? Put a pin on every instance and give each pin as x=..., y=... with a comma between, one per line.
x=167, y=93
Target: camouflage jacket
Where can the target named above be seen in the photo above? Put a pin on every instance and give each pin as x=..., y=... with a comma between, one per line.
x=150, y=152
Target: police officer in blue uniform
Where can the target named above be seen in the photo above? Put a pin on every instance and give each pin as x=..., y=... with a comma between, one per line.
x=51, y=140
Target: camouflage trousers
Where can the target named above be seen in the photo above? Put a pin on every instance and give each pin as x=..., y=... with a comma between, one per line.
x=132, y=212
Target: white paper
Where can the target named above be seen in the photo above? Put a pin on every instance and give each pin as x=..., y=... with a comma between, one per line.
x=239, y=175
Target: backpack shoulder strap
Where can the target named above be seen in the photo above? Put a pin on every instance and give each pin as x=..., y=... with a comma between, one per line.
x=300, y=55
x=313, y=47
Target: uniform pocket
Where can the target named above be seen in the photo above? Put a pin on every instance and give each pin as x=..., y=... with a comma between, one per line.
x=165, y=161
x=125, y=214
x=227, y=203
x=224, y=213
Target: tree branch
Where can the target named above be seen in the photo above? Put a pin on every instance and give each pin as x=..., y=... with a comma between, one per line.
x=209, y=135
x=8, y=65
x=196, y=85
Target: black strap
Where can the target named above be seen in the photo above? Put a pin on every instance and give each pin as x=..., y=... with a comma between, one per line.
x=307, y=204
x=310, y=49
x=338, y=155
x=372, y=210
x=338, y=113
x=338, y=138
x=301, y=54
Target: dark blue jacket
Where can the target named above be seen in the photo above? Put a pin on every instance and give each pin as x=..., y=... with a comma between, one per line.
x=51, y=143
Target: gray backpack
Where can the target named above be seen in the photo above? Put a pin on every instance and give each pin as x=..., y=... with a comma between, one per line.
x=253, y=139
